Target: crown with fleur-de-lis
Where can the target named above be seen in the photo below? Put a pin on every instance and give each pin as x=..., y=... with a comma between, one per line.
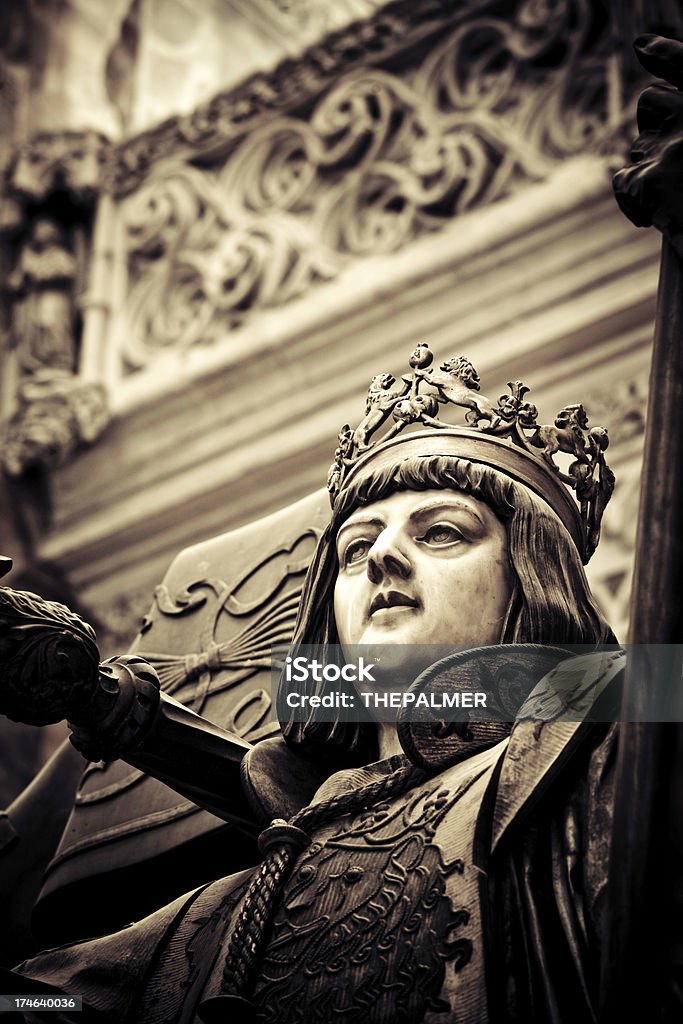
x=505, y=436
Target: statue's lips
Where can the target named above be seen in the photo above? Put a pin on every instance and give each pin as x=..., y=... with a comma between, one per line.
x=391, y=599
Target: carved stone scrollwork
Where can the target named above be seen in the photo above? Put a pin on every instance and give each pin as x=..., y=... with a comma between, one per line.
x=381, y=159
x=230, y=115
x=260, y=623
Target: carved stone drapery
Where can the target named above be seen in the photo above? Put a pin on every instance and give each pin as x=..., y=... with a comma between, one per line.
x=339, y=166
x=50, y=189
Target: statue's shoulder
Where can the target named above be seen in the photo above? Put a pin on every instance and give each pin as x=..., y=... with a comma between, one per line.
x=551, y=733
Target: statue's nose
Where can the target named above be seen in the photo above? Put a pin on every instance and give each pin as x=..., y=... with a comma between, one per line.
x=387, y=557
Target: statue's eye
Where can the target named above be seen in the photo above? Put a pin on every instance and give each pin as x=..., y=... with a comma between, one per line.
x=441, y=535
x=356, y=551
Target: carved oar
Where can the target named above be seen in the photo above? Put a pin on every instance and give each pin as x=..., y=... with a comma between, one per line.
x=642, y=910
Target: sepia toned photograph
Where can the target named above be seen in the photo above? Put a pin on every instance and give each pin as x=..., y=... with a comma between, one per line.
x=341, y=512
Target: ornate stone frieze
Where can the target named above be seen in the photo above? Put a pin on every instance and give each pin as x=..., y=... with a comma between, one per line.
x=230, y=115
x=497, y=43
x=380, y=154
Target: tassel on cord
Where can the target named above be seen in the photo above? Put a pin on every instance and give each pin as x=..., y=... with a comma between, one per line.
x=281, y=843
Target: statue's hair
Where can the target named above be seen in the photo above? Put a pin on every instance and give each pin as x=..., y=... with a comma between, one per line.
x=551, y=602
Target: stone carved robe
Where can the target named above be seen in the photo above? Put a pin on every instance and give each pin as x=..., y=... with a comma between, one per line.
x=475, y=896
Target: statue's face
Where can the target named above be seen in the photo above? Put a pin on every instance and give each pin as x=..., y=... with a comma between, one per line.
x=422, y=567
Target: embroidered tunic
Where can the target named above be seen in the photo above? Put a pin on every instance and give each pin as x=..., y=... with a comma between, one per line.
x=471, y=897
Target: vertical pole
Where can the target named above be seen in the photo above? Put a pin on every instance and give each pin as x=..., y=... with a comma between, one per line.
x=641, y=893
x=656, y=602
x=96, y=304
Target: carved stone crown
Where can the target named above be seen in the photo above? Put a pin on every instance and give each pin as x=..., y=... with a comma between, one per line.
x=505, y=436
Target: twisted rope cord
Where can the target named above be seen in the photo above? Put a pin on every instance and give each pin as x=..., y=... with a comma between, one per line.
x=281, y=848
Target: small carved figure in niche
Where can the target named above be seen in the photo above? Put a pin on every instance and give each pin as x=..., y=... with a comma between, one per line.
x=43, y=315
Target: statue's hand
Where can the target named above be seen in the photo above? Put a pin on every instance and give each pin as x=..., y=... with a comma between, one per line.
x=650, y=190
x=50, y=670
x=48, y=659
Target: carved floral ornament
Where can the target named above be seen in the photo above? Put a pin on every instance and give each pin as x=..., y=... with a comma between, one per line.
x=381, y=159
